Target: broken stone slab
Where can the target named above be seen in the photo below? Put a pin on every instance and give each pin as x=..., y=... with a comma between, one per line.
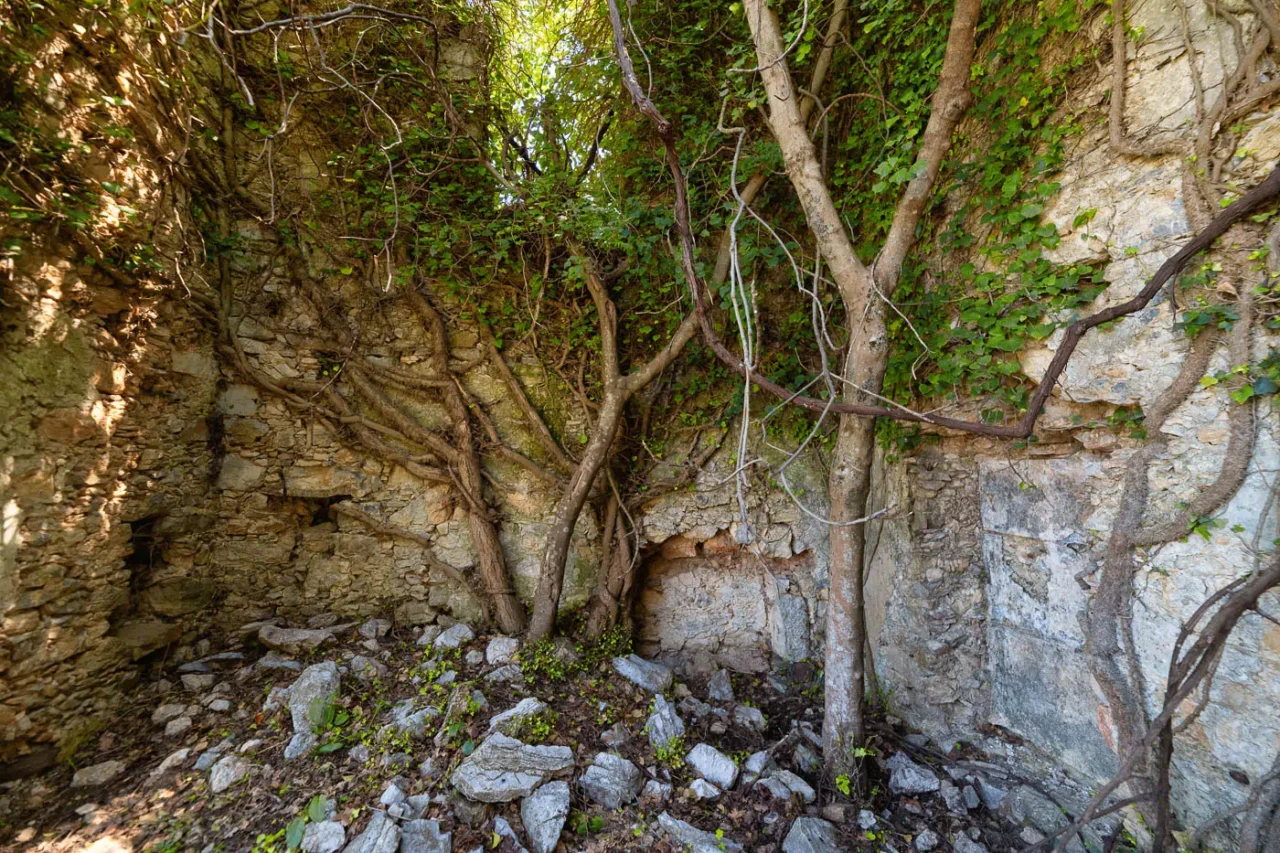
x=811, y=835
x=367, y=669
x=758, y=764
x=971, y=799
x=644, y=674
x=318, y=683
x=293, y=641
x=611, y=781
x=454, y=637
x=510, y=720
x=907, y=777
x=198, y=682
x=792, y=783
x=327, y=836
x=97, y=774
x=720, y=686
x=926, y=840
x=510, y=672
x=407, y=718
x=424, y=836
x=380, y=836
x=697, y=840
x=168, y=712
x=503, y=829
x=300, y=745
x=374, y=629
x=967, y=845
x=501, y=650
x=704, y=790
x=543, y=814
x=172, y=760
x=275, y=660
x=429, y=634
x=226, y=772
x=713, y=765
x=749, y=717
x=616, y=736
x=503, y=769
x=806, y=759
x=664, y=724
x=655, y=791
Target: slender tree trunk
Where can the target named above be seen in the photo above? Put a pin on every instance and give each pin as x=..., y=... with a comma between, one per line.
x=508, y=612
x=551, y=579
x=611, y=603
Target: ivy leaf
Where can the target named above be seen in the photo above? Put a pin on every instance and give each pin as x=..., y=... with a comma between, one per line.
x=1242, y=394
x=293, y=835
x=1265, y=385
x=318, y=808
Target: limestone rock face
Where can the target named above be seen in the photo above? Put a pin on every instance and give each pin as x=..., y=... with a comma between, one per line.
x=543, y=814
x=503, y=769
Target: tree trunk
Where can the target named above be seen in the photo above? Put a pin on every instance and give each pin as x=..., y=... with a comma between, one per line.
x=551, y=577
x=508, y=612
x=611, y=602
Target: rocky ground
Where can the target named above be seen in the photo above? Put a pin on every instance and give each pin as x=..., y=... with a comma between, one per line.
x=364, y=739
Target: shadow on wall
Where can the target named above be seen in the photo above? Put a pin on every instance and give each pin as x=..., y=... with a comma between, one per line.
x=714, y=604
x=104, y=467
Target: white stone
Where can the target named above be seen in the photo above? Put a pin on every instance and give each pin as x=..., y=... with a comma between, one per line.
x=644, y=674
x=97, y=774
x=327, y=836
x=226, y=772
x=501, y=650
x=713, y=765
x=455, y=637
x=543, y=814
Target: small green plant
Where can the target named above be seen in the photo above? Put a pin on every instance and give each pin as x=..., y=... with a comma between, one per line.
x=671, y=753
x=537, y=728
x=327, y=722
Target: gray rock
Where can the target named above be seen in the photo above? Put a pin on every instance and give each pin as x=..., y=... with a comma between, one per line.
x=327, y=836
x=219, y=706
x=475, y=657
x=392, y=795
x=543, y=814
x=501, y=650
x=720, y=686
x=503, y=769
x=97, y=774
x=276, y=699
x=927, y=840
x=1029, y=807
x=806, y=760
x=704, y=790
x=758, y=764
x=810, y=835
x=177, y=726
x=300, y=745
x=454, y=637
x=866, y=818
x=775, y=787
x=664, y=724
x=447, y=677
x=503, y=830
x=796, y=785
x=965, y=845
x=228, y=771
x=695, y=707
x=168, y=712
x=468, y=811
x=359, y=754
x=611, y=780
x=992, y=796
x=424, y=836
x=380, y=836
x=172, y=760
x=429, y=634
x=396, y=761
x=318, y=683
x=971, y=798
x=907, y=777
x=368, y=669
x=416, y=806
x=510, y=720
x=510, y=672
x=751, y=718
x=207, y=759
x=644, y=674
x=952, y=797
x=427, y=769
x=275, y=660
x=198, y=682
x=713, y=765
x=293, y=641
x=656, y=791
x=407, y=718
x=616, y=736
x=374, y=629
x=697, y=840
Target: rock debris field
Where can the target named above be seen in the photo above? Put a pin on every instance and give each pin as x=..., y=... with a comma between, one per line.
x=364, y=739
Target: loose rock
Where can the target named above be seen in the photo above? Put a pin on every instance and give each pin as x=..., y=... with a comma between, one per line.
x=543, y=814
x=380, y=836
x=327, y=836
x=293, y=641
x=226, y=772
x=907, y=777
x=664, y=724
x=644, y=674
x=720, y=686
x=455, y=636
x=713, y=765
x=97, y=774
x=503, y=769
x=811, y=835
x=611, y=780
x=501, y=650
x=510, y=720
x=697, y=840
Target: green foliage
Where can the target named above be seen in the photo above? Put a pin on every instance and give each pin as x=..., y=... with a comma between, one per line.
x=541, y=660
x=671, y=754
x=327, y=722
